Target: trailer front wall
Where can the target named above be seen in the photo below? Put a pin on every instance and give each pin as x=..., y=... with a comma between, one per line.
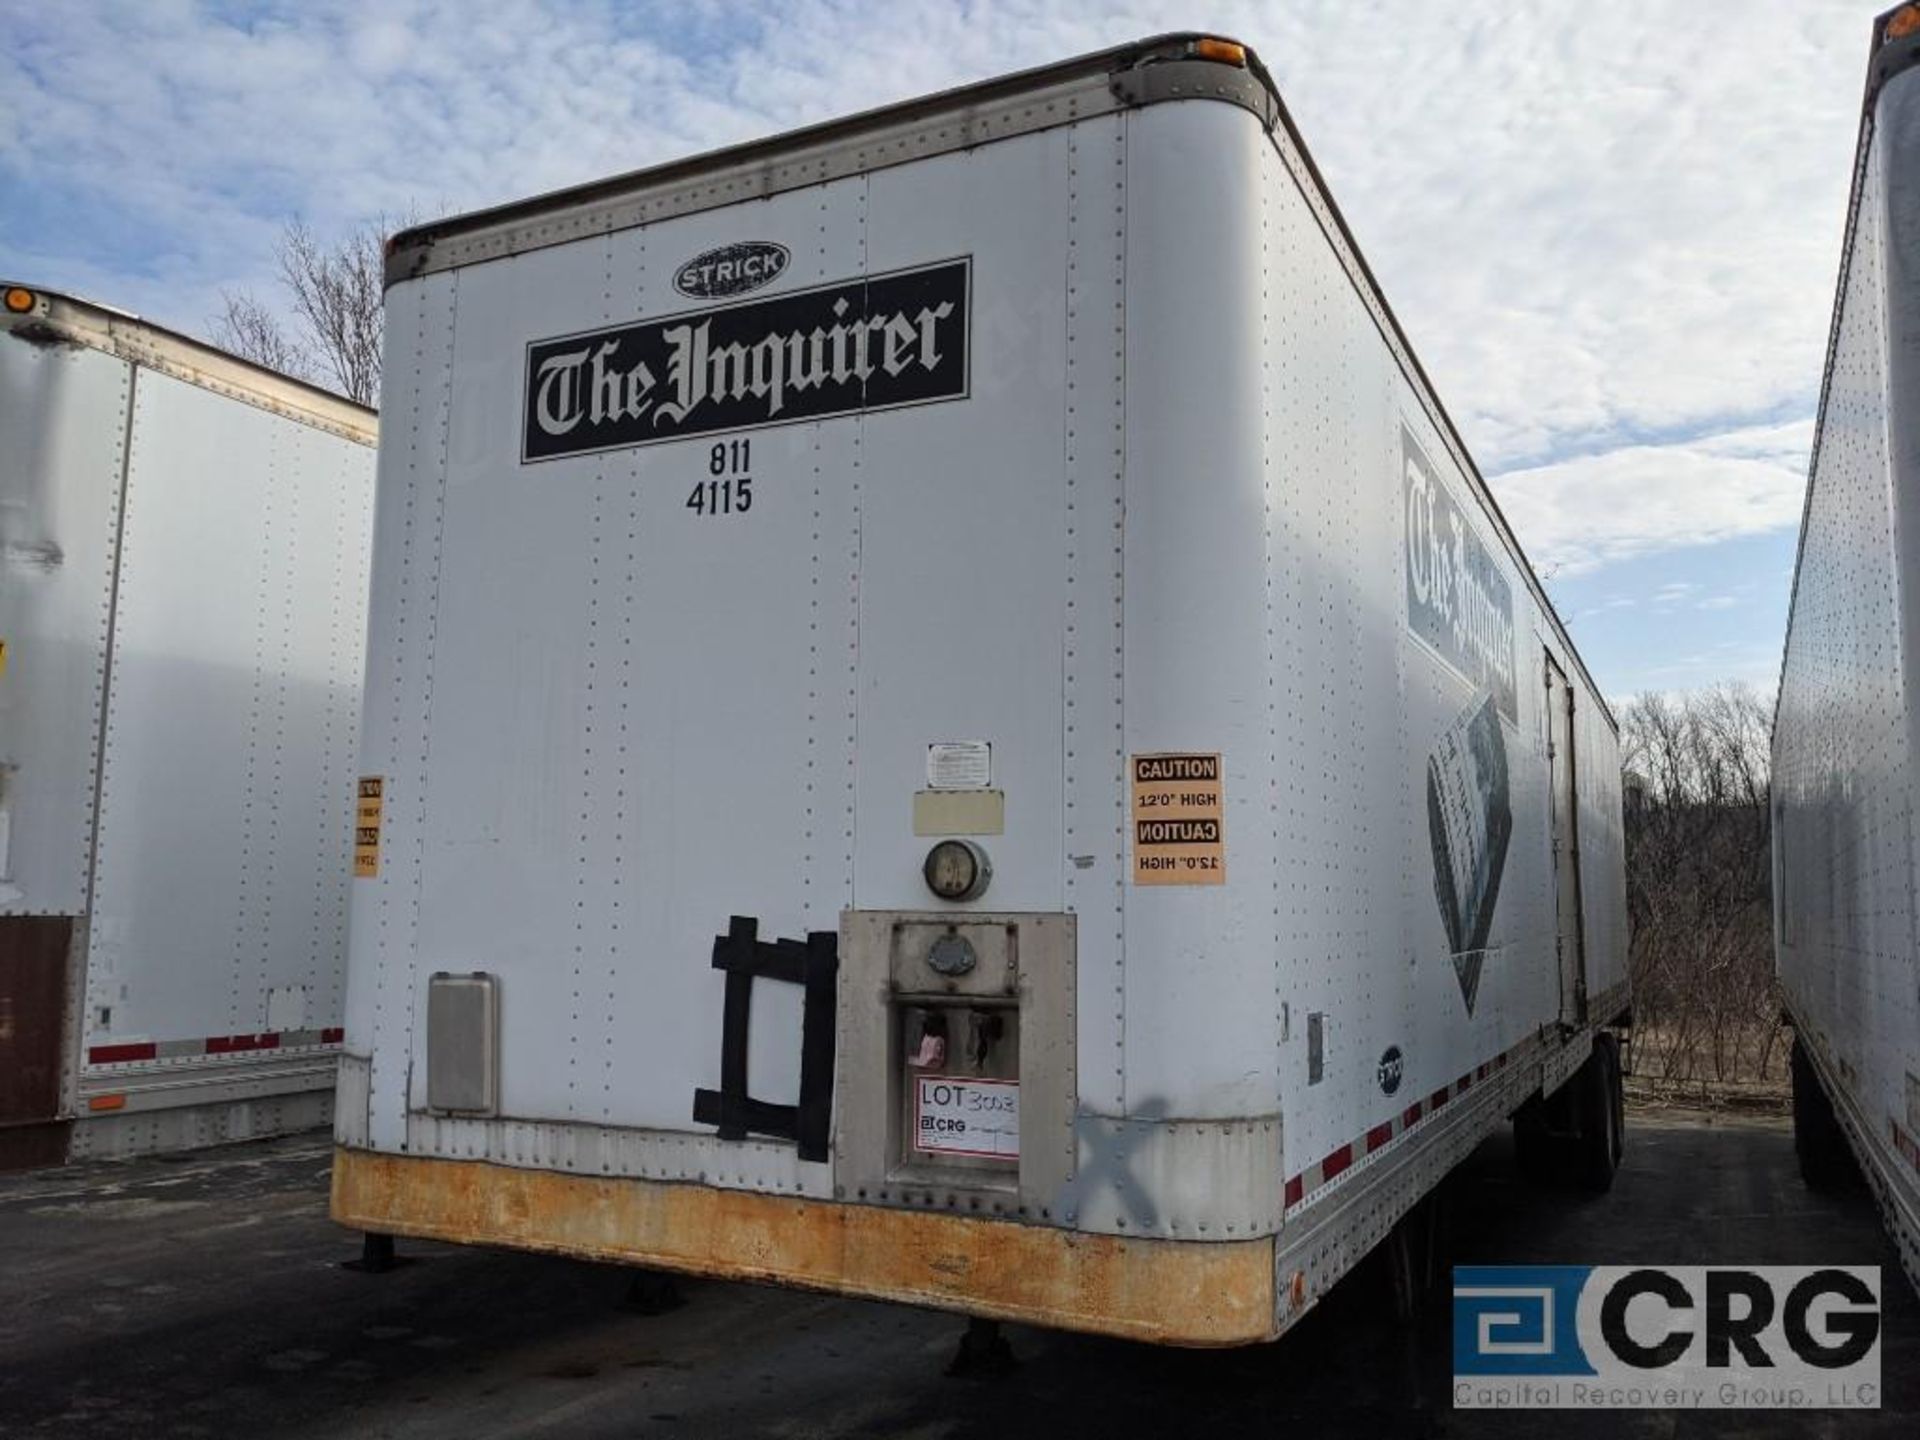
x=1169, y=515
x=664, y=703
x=1844, y=734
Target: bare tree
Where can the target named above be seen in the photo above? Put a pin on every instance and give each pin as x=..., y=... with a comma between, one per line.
x=335, y=293
x=250, y=330
x=1699, y=893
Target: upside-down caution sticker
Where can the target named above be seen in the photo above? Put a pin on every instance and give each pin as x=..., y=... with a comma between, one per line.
x=366, y=825
x=1178, y=820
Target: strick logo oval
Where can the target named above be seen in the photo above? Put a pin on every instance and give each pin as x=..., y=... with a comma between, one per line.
x=731, y=269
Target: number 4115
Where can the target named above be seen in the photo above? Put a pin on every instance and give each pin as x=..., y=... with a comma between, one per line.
x=732, y=492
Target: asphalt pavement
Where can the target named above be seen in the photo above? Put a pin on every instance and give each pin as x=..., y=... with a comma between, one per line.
x=205, y=1296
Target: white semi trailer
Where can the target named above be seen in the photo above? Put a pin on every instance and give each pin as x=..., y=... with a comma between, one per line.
x=949, y=719
x=1846, y=752
x=184, y=544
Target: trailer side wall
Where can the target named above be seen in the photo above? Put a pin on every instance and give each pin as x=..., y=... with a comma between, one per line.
x=1845, y=863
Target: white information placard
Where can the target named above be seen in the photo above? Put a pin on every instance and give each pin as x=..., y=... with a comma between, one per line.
x=959, y=765
x=962, y=1115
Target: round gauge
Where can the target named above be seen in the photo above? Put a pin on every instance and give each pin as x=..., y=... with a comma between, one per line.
x=957, y=870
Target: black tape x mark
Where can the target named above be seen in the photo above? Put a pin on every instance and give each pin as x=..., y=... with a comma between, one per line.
x=814, y=965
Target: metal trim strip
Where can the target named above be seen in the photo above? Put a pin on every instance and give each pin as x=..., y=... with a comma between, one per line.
x=216, y=1046
x=1124, y=77
x=1341, y=1158
x=63, y=319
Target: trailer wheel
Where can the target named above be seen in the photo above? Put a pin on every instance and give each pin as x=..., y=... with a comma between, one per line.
x=1598, y=1111
x=1536, y=1151
x=1818, y=1142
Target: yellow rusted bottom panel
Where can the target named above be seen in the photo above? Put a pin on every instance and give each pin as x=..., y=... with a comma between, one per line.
x=1171, y=1291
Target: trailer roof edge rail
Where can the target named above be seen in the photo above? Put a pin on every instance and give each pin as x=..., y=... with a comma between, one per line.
x=44, y=316
x=949, y=120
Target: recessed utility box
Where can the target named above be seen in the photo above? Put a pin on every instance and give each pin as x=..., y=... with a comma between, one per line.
x=957, y=1062
x=463, y=1043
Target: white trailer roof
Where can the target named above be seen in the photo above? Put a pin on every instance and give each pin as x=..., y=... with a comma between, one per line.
x=1178, y=66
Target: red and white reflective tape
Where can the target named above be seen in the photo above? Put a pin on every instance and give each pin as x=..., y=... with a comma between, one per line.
x=1337, y=1162
x=134, y=1050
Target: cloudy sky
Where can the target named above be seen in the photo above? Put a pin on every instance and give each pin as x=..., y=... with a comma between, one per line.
x=1611, y=230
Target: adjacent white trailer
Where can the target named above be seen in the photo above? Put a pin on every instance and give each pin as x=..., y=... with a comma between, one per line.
x=184, y=545
x=949, y=719
x=1844, y=740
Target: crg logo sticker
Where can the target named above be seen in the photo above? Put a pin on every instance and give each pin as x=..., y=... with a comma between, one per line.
x=732, y=269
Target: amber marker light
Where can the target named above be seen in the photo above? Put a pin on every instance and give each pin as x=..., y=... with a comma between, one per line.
x=1902, y=23
x=1221, y=52
x=19, y=299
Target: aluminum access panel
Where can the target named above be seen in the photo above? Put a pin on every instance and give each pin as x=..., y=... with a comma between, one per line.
x=1844, y=737
x=1168, y=515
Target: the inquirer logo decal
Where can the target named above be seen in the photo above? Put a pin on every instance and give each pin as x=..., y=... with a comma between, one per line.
x=1457, y=599
x=1178, y=817
x=863, y=344
x=1765, y=1337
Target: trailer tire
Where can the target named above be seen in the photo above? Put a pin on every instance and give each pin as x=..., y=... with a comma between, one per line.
x=1826, y=1164
x=1537, y=1153
x=1598, y=1110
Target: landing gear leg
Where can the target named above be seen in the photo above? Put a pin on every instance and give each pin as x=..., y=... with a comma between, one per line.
x=983, y=1351
x=376, y=1255
x=651, y=1292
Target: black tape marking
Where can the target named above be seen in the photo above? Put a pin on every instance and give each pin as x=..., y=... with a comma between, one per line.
x=812, y=964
